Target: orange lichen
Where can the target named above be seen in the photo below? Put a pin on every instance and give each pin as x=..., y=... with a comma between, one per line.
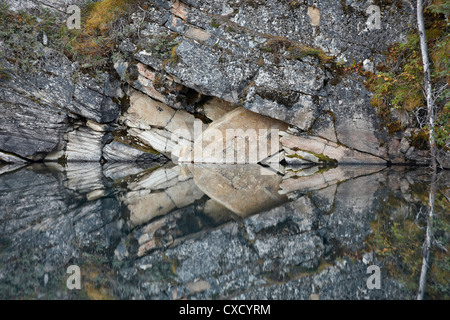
x=102, y=14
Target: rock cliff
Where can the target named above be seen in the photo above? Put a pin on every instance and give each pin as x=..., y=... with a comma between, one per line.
x=178, y=62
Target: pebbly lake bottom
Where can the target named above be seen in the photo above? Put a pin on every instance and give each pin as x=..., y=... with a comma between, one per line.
x=140, y=231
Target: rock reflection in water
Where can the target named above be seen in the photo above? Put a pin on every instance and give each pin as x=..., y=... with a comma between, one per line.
x=158, y=192
x=198, y=231
x=243, y=189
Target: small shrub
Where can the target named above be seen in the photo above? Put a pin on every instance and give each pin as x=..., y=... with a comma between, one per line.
x=214, y=23
x=4, y=74
x=399, y=83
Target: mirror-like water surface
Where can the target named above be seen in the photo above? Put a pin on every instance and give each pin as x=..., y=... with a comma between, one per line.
x=215, y=232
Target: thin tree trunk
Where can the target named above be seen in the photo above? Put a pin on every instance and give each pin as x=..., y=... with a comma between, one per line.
x=429, y=236
x=427, y=245
x=424, y=270
x=427, y=79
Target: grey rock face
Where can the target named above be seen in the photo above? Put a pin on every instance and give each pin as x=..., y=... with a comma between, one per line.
x=276, y=58
x=356, y=124
x=54, y=5
x=303, y=149
x=9, y=158
x=201, y=69
x=38, y=107
x=119, y=152
x=27, y=128
x=84, y=145
x=93, y=105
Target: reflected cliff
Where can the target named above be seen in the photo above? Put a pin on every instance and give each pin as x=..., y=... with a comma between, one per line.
x=146, y=231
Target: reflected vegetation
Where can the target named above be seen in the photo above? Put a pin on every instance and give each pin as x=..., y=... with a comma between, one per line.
x=140, y=231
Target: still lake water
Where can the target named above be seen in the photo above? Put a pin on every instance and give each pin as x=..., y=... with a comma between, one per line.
x=217, y=232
